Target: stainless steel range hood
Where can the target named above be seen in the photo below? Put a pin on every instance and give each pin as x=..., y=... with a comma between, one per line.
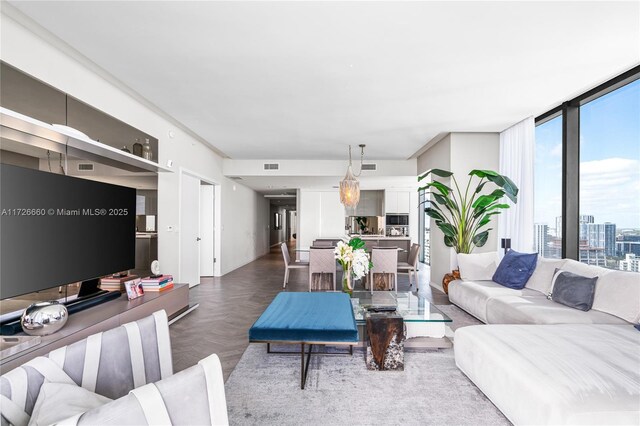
x=21, y=133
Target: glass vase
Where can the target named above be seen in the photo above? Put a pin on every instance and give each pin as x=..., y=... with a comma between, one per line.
x=347, y=286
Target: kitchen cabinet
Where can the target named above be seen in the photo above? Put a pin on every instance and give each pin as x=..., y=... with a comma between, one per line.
x=398, y=202
x=370, y=204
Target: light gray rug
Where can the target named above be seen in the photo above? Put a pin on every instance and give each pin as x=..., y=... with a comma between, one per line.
x=265, y=389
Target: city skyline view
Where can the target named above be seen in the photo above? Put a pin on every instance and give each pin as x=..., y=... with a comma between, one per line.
x=609, y=166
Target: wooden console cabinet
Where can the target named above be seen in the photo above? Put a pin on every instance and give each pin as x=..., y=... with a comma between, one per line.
x=101, y=318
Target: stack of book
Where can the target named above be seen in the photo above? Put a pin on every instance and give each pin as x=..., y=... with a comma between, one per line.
x=161, y=283
x=115, y=283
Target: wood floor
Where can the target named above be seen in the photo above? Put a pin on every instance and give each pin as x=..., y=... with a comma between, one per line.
x=229, y=305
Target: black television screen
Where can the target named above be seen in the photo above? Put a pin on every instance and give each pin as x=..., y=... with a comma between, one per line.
x=57, y=229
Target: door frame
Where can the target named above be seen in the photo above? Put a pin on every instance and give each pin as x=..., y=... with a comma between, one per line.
x=217, y=217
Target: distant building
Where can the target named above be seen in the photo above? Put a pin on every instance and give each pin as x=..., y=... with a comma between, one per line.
x=628, y=247
x=541, y=234
x=592, y=241
x=630, y=263
x=609, y=239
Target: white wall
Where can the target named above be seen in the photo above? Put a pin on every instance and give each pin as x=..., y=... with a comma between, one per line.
x=244, y=213
x=442, y=258
x=459, y=153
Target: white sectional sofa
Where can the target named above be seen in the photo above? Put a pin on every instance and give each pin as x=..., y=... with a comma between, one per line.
x=617, y=298
x=541, y=362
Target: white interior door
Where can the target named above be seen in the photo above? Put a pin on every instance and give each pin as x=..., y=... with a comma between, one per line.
x=189, y=230
x=206, y=230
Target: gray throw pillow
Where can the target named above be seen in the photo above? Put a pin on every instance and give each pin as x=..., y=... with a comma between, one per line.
x=573, y=290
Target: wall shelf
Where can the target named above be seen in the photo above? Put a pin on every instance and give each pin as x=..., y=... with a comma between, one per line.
x=18, y=129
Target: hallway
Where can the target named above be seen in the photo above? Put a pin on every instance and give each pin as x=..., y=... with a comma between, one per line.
x=229, y=305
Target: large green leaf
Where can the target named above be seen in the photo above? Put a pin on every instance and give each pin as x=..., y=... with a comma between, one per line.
x=449, y=241
x=483, y=173
x=437, y=172
x=445, y=201
x=434, y=214
x=498, y=206
x=480, y=239
x=485, y=220
x=447, y=229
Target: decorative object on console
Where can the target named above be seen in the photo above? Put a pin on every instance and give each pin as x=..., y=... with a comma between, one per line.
x=134, y=289
x=44, y=318
x=354, y=261
x=477, y=266
x=157, y=283
x=350, y=186
x=125, y=149
x=454, y=275
x=573, y=290
x=155, y=269
x=515, y=269
x=460, y=216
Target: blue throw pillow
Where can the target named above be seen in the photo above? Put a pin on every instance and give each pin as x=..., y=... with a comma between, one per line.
x=515, y=269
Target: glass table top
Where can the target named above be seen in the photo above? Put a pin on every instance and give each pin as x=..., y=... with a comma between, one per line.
x=411, y=306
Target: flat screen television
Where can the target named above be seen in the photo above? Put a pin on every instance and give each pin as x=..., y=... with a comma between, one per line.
x=57, y=229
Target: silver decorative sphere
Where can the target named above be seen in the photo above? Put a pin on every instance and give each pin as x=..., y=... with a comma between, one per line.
x=43, y=318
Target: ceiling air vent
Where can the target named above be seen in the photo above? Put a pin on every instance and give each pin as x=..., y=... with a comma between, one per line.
x=85, y=167
x=271, y=166
x=371, y=167
x=235, y=177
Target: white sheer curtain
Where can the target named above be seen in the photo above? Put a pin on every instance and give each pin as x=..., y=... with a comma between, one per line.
x=517, y=154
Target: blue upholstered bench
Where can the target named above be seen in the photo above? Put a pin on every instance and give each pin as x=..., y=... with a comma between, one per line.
x=307, y=319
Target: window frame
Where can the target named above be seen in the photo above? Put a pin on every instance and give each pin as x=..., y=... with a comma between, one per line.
x=570, y=112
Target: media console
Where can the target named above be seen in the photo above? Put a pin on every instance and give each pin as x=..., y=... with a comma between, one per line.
x=101, y=318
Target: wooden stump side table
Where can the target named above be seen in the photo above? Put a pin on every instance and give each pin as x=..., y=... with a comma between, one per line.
x=385, y=341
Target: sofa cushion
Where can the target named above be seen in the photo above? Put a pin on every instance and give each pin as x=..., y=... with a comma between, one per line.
x=543, y=274
x=477, y=266
x=472, y=296
x=535, y=308
x=618, y=293
x=58, y=401
x=573, y=290
x=583, y=269
x=515, y=269
x=556, y=374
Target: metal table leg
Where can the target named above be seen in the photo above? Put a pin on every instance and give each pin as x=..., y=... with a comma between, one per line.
x=304, y=369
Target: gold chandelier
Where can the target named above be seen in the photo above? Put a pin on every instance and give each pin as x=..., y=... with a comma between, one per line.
x=350, y=186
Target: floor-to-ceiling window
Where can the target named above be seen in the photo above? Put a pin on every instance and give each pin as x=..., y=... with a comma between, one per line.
x=548, y=188
x=587, y=176
x=424, y=230
x=610, y=179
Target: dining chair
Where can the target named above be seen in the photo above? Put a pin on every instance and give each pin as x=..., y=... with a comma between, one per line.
x=385, y=261
x=321, y=243
x=289, y=265
x=321, y=261
x=411, y=266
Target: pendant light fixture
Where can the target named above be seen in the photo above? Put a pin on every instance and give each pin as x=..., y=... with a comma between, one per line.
x=350, y=186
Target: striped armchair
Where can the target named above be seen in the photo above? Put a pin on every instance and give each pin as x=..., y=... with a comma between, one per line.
x=125, y=372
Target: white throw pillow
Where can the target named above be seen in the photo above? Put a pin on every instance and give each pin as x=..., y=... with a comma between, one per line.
x=59, y=401
x=543, y=274
x=477, y=267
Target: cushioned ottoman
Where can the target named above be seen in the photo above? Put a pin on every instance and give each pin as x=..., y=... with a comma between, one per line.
x=307, y=318
x=555, y=374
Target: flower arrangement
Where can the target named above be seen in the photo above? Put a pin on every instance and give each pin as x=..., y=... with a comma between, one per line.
x=353, y=259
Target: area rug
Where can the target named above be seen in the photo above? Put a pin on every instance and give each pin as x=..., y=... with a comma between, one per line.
x=265, y=389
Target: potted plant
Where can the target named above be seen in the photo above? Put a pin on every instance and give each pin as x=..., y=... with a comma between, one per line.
x=463, y=216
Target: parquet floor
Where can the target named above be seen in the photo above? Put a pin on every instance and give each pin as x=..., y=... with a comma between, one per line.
x=229, y=305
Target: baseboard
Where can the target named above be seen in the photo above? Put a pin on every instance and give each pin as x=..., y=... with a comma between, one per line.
x=436, y=286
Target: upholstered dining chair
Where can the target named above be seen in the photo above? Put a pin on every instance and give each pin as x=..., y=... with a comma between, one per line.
x=288, y=265
x=411, y=266
x=385, y=261
x=321, y=261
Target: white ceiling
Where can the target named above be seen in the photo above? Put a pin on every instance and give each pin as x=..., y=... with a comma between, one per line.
x=301, y=80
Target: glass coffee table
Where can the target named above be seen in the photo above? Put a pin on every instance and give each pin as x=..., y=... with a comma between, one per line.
x=422, y=319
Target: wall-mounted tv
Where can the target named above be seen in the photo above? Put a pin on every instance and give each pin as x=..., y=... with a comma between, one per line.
x=57, y=229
